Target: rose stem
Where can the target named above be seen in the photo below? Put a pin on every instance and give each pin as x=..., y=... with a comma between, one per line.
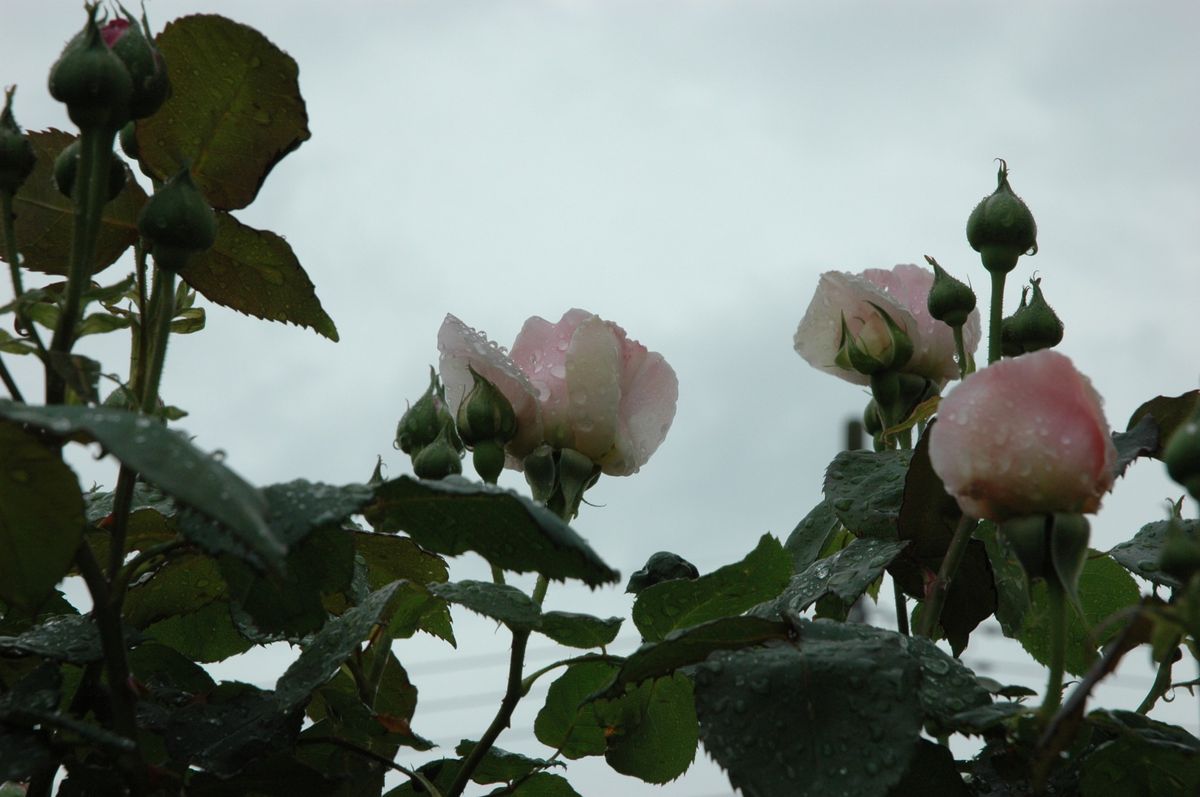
x=994, y=318
x=1058, y=648
x=940, y=588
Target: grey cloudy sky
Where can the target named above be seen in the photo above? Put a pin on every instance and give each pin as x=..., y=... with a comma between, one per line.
x=686, y=169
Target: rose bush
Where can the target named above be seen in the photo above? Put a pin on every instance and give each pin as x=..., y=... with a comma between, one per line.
x=580, y=384
x=903, y=293
x=1024, y=436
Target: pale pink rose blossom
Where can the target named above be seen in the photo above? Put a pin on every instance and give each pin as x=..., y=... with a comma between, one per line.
x=579, y=384
x=1024, y=436
x=903, y=292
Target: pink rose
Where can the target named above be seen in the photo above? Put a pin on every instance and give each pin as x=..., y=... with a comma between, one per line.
x=579, y=384
x=904, y=293
x=1024, y=436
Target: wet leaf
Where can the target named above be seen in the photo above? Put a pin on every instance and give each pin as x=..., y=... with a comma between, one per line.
x=235, y=110
x=866, y=489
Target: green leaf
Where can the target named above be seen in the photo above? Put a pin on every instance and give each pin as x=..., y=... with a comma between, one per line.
x=23, y=750
x=501, y=602
x=579, y=630
x=1142, y=756
x=167, y=459
x=206, y=635
x=847, y=574
x=501, y=766
x=41, y=517
x=811, y=535
x=1105, y=587
x=835, y=715
x=161, y=667
x=454, y=515
x=931, y=771
x=44, y=216
x=866, y=489
x=1169, y=413
x=64, y=637
x=693, y=645
x=390, y=558
x=566, y=722
x=1141, y=554
x=1141, y=440
x=256, y=272
x=652, y=729
x=179, y=586
x=290, y=603
x=331, y=646
x=727, y=591
x=1012, y=586
x=100, y=323
x=235, y=724
x=235, y=109
x=540, y=784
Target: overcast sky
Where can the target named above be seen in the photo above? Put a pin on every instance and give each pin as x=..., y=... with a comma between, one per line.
x=686, y=169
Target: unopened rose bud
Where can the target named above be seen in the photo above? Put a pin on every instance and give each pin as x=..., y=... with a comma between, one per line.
x=872, y=422
x=1001, y=228
x=485, y=415
x=1182, y=455
x=177, y=222
x=662, y=566
x=91, y=80
x=421, y=423
x=950, y=300
x=881, y=345
x=66, y=166
x=16, y=152
x=439, y=459
x=132, y=43
x=1032, y=327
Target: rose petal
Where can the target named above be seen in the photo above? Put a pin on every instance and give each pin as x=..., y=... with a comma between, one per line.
x=1024, y=436
x=460, y=347
x=594, y=388
x=540, y=351
x=650, y=391
x=820, y=331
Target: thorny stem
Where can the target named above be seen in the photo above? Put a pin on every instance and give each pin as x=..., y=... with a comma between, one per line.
x=14, y=267
x=10, y=383
x=961, y=350
x=996, y=315
x=112, y=638
x=91, y=183
x=513, y=693
x=901, y=608
x=1162, y=680
x=1058, y=648
x=932, y=613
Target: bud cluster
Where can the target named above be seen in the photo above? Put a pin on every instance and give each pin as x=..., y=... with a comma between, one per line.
x=426, y=433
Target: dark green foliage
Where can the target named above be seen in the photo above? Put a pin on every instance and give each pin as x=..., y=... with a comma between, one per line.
x=729, y=590
x=866, y=488
x=1104, y=587
x=847, y=575
x=41, y=517
x=1141, y=554
x=454, y=515
x=43, y=215
x=811, y=535
x=651, y=730
x=233, y=115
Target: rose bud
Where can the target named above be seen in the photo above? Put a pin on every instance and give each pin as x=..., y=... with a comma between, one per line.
x=1032, y=327
x=662, y=566
x=91, y=80
x=858, y=308
x=439, y=459
x=422, y=422
x=1001, y=228
x=1024, y=436
x=177, y=222
x=66, y=165
x=579, y=384
x=950, y=300
x=132, y=44
x=16, y=152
